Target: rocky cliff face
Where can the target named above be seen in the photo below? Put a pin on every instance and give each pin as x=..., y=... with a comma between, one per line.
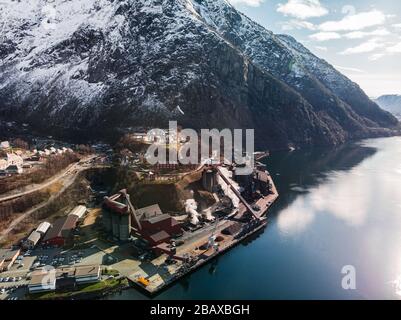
x=102, y=66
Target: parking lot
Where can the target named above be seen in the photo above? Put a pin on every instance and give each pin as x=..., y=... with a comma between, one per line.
x=13, y=283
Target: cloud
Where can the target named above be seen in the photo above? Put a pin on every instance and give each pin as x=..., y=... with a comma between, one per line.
x=394, y=49
x=363, y=34
x=321, y=48
x=376, y=56
x=355, y=22
x=302, y=9
x=355, y=70
x=397, y=25
x=251, y=3
x=297, y=24
x=325, y=36
x=365, y=47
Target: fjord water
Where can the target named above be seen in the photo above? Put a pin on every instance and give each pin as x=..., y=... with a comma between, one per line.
x=337, y=207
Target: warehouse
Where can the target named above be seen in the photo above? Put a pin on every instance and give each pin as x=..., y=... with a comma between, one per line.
x=32, y=240
x=61, y=231
x=79, y=211
x=43, y=228
x=7, y=258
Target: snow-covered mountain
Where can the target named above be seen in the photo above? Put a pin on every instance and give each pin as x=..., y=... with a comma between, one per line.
x=99, y=66
x=391, y=103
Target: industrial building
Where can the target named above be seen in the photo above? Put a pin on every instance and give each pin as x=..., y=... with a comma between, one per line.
x=32, y=240
x=7, y=258
x=257, y=182
x=63, y=278
x=43, y=228
x=209, y=179
x=121, y=219
x=61, y=231
x=155, y=226
x=79, y=211
x=42, y=281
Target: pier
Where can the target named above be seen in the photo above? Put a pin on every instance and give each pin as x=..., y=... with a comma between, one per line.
x=205, y=244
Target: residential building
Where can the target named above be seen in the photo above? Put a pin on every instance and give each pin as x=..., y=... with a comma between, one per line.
x=4, y=145
x=3, y=164
x=14, y=169
x=14, y=160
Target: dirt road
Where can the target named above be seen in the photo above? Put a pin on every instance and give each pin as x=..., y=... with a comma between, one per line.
x=75, y=167
x=66, y=178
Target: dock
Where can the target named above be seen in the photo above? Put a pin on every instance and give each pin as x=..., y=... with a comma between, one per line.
x=154, y=276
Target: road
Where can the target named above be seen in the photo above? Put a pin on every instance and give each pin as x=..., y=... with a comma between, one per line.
x=67, y=178
x=37, y=187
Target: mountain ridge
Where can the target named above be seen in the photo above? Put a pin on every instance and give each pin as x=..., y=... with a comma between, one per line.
x=390, y=103
x=140, y=63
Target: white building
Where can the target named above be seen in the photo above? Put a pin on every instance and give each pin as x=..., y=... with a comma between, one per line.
x=87, y=274
x=14, y=169
x=79, y=211
x=3, y=164
x=42, y=281
x=14, y=160
x=43, y=228
x=4, y=145
x=32, y=240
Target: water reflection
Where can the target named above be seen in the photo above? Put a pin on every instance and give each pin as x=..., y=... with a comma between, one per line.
x=337, y=207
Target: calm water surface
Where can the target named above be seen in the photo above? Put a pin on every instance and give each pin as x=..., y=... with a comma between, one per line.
x=337, y=207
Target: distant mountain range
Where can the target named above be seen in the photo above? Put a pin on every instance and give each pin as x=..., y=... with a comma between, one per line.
x=391, y=103
x=97, y=68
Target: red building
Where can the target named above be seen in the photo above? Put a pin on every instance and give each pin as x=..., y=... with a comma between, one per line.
x=156, y=227
x=61, y=231
x=149, y=223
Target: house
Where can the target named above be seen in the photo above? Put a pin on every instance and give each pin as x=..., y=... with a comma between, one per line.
x=32, y=240
x=14, y=160
x=4, y=145
x=7, y=258
x=3, y=164
x=14, y=169
x=61, y=231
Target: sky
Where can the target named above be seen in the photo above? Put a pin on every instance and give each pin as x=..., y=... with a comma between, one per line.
x=361, y=38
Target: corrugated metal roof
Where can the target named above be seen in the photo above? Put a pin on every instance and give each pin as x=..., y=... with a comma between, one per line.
x=78, y=211
x=62, y=227
x=43, y=227
x=34, y=237
x=148, y=212
x=160, y=236
x=157, y=218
